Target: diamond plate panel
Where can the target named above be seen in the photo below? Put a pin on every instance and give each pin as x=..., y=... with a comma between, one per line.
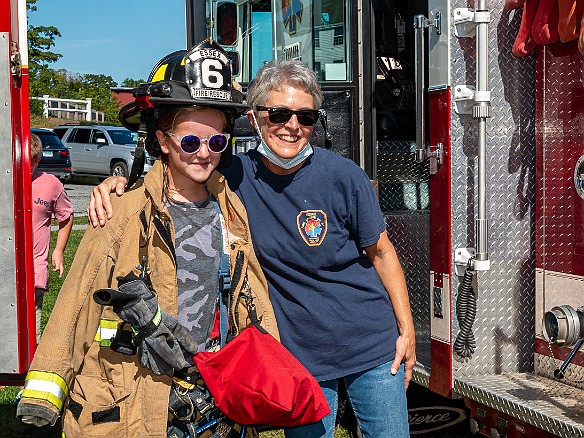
x=548, y=405
x=404, y=198
x=560, y=226
x=409, y=233
x=9, y=345
x=505, y=307
x=546, y=365
x=560, y=131
x=403, y=182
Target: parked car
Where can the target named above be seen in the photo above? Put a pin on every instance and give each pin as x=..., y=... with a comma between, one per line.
x=100, y=150
x=55, y=158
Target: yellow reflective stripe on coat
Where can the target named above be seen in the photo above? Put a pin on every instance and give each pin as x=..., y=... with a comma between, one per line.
x=44, y=385
x=106, y=331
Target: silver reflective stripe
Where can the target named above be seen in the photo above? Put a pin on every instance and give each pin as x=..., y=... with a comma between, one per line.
x=43, y=385
x=106, y=333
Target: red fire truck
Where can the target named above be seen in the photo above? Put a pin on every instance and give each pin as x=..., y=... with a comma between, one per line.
x=16, y=282
x=478, y=158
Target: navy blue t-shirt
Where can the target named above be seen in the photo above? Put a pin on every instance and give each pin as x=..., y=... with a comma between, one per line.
x=308, y=230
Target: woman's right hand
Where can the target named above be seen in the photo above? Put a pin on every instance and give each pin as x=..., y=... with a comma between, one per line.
x=100, y=209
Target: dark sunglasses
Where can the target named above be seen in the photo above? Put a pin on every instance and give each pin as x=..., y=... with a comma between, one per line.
x=280, y=116
x=191, y=144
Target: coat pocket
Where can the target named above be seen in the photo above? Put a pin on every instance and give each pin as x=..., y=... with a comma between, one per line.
x=95, y=408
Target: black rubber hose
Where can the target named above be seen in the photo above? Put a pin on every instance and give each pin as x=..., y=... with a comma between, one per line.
x=466, y=310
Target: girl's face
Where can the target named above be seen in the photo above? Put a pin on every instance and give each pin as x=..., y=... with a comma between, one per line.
x=184, y=169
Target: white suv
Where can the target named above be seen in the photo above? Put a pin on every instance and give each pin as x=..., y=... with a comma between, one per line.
x=100, y=150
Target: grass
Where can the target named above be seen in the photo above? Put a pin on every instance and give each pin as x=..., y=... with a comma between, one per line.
x=55, y=282
x=45, y=122
x=86, y=180
x=77, y=220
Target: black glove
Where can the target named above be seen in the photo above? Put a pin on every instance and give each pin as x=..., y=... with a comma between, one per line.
x=38, y=415
x=163, y=345
x=167, y=349
x=183, y=336
x=133, y=302
x=143, y=304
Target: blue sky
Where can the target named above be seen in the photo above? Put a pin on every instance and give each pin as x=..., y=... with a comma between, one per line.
x=118, y=38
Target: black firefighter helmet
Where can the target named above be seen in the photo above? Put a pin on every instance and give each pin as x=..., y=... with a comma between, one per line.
x=198, y=77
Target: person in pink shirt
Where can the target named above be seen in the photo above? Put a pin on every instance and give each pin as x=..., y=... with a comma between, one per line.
x=48, y=199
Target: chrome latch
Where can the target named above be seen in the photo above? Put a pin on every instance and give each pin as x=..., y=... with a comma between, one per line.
x=16, y=65
x=435, y=154
x=421, y=22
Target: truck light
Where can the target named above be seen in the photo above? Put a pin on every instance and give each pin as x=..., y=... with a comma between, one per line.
x=476, y=425
x=161, y=89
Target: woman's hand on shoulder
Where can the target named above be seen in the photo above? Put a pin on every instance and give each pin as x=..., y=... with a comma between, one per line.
x=100, y=208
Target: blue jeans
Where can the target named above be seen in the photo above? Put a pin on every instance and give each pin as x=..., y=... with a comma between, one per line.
x=379, y=402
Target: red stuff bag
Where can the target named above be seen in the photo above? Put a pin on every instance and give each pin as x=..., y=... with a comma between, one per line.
x=255, y=380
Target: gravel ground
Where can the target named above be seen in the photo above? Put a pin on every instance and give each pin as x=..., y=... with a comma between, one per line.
x=78, y=191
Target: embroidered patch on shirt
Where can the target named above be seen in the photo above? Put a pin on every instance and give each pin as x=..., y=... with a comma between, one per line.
x=312, y=225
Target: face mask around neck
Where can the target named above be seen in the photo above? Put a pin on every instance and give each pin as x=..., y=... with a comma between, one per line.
x=272, y=157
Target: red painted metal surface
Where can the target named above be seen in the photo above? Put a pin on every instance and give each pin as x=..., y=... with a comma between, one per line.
x=560, y=353
x=5, y=16
x=441, y=230
x=22, y=187
x=559, y=145
x=23, y=226
x=490, y=420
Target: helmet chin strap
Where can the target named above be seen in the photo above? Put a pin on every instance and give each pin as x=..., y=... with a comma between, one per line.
x=139, y=156
x=272, y=157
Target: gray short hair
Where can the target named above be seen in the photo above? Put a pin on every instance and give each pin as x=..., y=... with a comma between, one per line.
x=274, y=74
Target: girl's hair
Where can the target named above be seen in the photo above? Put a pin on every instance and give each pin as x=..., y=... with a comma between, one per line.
x=274, y=74
x=36, y=148
x=167, y=121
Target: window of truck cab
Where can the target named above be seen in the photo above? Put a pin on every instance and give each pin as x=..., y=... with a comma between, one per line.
x=317, y=32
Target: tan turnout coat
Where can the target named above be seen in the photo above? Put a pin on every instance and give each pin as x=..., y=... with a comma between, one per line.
x=113, y=396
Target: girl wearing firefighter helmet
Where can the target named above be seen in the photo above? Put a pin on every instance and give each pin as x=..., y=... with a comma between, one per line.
x=164, y=265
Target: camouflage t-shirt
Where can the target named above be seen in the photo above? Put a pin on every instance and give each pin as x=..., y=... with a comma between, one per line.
x=198, y=256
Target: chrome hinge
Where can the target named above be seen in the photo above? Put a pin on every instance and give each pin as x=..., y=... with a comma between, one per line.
x=16, y=65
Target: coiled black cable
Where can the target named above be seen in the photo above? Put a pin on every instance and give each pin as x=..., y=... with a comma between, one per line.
x=466, y=310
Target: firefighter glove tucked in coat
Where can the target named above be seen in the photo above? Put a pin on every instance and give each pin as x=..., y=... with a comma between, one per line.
x=163, y=345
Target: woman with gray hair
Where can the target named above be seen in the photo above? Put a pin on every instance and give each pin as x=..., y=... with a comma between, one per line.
x=334, y=279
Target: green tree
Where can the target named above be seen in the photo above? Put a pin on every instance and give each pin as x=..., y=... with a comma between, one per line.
x=131, y=83
x=98, y=87
x=41, y=78
x=61, y=83
x=40, y=41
